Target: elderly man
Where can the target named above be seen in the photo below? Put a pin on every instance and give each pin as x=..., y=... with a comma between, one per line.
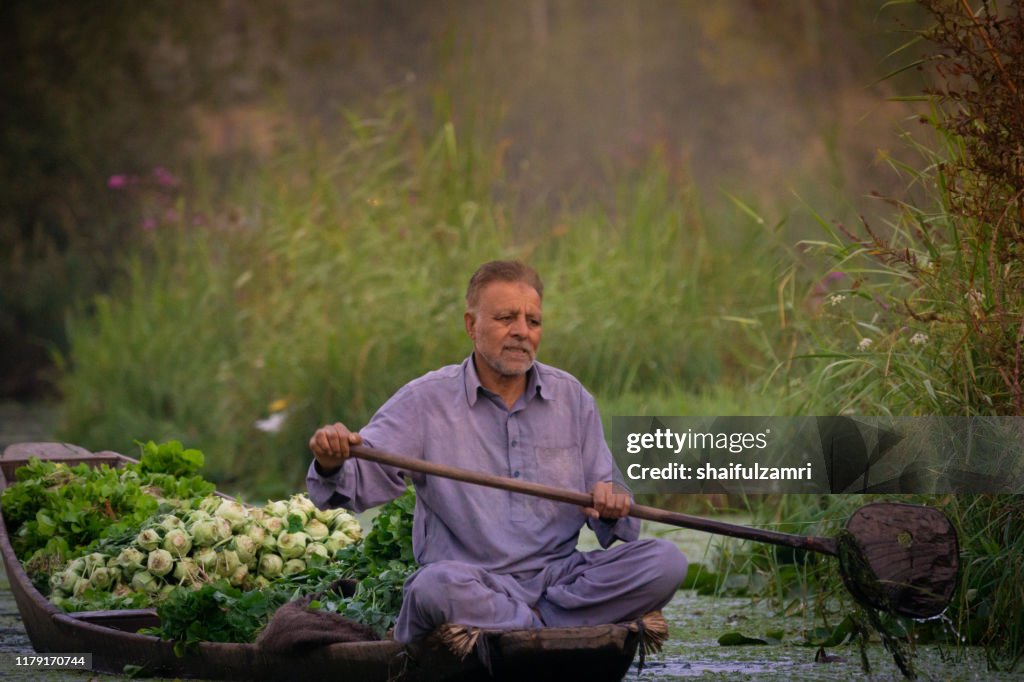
x=491, y=558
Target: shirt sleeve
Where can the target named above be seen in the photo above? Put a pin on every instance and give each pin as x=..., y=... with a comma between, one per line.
x=600, y=466
x=360, y=484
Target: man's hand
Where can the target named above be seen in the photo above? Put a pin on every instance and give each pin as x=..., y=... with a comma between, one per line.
x=610, y=501
x=330, y=445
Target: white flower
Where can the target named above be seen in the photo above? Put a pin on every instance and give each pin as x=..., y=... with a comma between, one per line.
x=271, y=424
x=864, y=344
x=836, y=299
x=918, y=339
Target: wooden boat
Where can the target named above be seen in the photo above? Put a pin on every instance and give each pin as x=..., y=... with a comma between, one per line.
x=602, y=652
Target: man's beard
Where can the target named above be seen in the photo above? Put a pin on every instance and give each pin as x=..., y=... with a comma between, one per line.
x=507, y=369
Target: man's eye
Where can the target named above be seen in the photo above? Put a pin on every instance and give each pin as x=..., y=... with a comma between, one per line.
x=534, y=323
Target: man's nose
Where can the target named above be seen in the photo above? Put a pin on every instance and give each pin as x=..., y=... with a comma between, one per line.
x=519, y=328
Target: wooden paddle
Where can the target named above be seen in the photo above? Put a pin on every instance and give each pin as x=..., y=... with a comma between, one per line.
x=900, y=558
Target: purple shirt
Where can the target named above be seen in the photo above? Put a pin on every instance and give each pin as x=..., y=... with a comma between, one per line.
x=552, y=435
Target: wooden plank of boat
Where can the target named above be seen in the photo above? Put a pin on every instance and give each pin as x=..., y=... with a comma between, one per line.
x=603, y=652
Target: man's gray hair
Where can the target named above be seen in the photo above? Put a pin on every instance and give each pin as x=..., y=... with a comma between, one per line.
x=501, y=271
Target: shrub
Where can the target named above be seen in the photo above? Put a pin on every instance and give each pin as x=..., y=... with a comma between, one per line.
x=926, y=313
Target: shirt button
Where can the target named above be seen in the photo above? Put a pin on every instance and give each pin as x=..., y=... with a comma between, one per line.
x=515, y=474
x=515, y=443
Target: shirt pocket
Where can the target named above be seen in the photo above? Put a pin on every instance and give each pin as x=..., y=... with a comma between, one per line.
x=556, y=466
x=559, y=466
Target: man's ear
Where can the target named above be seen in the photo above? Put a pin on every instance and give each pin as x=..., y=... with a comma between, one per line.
x=470, y=321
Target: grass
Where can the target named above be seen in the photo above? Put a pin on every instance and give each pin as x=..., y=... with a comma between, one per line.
x=318, y=283
x=992, y=531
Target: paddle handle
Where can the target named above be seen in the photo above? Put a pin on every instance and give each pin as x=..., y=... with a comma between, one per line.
x=810, y=543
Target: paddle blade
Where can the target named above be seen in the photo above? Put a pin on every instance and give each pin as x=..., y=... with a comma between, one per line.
x=900, y=558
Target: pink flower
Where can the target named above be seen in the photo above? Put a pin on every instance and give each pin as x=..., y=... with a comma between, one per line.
x=164, y=177
x=149, y=224
x=118, y=181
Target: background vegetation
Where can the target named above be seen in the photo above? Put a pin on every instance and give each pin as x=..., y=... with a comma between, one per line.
x=335, y=273
x=564, y=96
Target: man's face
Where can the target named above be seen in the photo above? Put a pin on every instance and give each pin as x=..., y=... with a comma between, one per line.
x=506, y=327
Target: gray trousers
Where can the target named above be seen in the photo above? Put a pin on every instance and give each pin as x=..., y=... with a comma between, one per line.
x=586, y=588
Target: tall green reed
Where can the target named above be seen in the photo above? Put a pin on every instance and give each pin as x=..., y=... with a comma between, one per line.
x=314, y=284
x=924, y=314
x=986, y=610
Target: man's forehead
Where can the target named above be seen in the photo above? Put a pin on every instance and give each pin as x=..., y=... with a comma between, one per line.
x=511, y=295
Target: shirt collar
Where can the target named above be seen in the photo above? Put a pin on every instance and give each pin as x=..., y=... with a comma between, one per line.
x=534, y=385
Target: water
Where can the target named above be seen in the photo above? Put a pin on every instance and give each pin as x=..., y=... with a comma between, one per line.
x=696, y=622
x=26, y=422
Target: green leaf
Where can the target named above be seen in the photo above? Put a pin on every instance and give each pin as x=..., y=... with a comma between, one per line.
x=738, y=639
x=170, y=458
x=45, y=526
x=824, y=637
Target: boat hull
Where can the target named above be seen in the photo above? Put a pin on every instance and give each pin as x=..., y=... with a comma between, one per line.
x=602, y=652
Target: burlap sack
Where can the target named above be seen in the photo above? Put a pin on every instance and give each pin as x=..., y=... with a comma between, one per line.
x=296, y=628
